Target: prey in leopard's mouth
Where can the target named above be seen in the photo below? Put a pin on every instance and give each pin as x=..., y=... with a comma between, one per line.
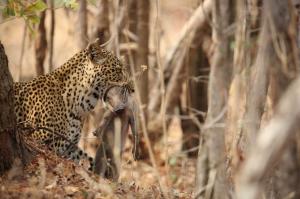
x=120, y=102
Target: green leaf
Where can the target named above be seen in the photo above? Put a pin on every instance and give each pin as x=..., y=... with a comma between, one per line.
x=30, y=27
x=37, y=6
x=8, y=11
x=71, y=4
x=173, y=161
x=232, y=45
x=34, y=19
x=58, y=3
x=93, y=2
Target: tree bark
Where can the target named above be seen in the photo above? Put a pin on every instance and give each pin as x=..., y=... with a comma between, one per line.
x=102, y=29
x=8, y=146
x=238, y=88
x=52, y=31
x=143, y=12
x=196, y=95
x=82, y=22
x=41, y=46
x=277, y=60
x=211, y=156
x=286, y=176
x=271, y=142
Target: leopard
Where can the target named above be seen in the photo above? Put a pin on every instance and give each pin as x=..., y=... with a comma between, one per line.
x=60, y=99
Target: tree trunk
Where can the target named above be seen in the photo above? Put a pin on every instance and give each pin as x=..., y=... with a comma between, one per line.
x=277, y=60
x=82, y=23
x=41, y=46
x=8, y=146
x=132, y=27
x=143, y=12
x=102, y=29
x=238, y=88
x=271, y=143
x=211, y=181
x=196, y=95
x=287, y=176
x=52, y=31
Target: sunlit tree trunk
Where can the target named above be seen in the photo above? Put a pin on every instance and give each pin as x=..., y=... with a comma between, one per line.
x=52, y=31
x=238, y=89
x=82, y=23
x=41, y=45
x=102, y=26
x=211, y=180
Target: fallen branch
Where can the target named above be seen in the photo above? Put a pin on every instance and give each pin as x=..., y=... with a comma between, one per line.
x=271, y=142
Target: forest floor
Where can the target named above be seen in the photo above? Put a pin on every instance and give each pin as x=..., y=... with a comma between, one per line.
x=49, y=176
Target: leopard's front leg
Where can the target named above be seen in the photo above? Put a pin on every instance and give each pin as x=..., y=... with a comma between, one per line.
x=73, y=152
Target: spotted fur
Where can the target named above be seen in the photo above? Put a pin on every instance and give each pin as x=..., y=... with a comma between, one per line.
x=59, y=100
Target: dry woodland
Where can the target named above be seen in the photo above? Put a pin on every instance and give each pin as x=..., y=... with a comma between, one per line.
x=214, y=113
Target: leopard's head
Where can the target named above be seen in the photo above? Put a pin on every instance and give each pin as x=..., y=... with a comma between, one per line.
x=110, y=71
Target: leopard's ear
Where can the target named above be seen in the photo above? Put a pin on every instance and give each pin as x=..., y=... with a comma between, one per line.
x=94, y=45
x=95, y=52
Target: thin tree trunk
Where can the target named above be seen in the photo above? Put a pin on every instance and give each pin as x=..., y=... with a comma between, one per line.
x=132, y=27
x=258, y=91
x=82, y=22
x=102, y=29
x=41, y=46
x=196, y=95
x=213, y=184
x=239, y=86
x=52, y=31
x=20, y=74
x=143, y=12
x=8, y=146
x=244, y=123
